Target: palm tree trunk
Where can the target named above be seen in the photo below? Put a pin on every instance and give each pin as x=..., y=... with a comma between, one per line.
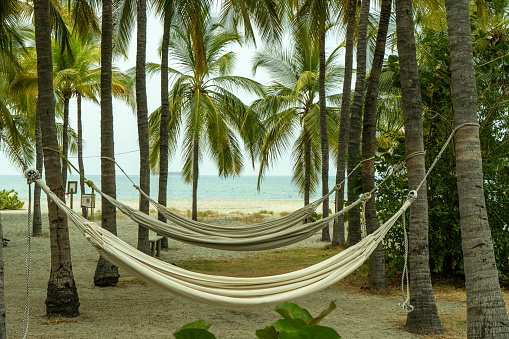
x=142, y=111
x=106, y=274
x=486, y=311
x=424, y=317
x=165, y=120
x=377, y=276
x=62, y=295
x=355, y=130
x=307, y=167
x=65, y=141
x=3, y=331
x=324, y=138
x=195, y=179
x=338, y=231
x=37, y=219
x=84, y=211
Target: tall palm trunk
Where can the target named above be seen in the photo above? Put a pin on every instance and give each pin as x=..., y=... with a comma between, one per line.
x=84, y=210
x=195, y=179
x=338, y=234
x=324, y=138
x=142, y=110
x=106, y=274
x=424, y=317
x=165, y=120
x=65, y=141
x=37, y=219
x=3, y=331
x=377, y=276
x=307, y=166
x=62, y=295
x=486, y=311
x=354, y=134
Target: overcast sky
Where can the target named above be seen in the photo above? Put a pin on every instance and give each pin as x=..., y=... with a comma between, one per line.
x=125, y=124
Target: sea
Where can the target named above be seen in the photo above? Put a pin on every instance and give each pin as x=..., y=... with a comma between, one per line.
x=209, y=187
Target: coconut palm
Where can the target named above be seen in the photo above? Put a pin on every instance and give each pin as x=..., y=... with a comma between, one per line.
x=486, y=311
x=201, y=103
x=62, y=297
x=424, y=317
x=291, y=104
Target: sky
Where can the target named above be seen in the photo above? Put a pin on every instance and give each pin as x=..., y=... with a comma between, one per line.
x=125, y=122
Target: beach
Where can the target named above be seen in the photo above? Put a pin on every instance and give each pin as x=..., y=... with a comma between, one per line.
x=134, y=309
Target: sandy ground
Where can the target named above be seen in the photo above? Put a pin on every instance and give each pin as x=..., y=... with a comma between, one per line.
x=136, y=310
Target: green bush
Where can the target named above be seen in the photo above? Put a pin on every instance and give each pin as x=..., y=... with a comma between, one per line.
x=297, y=323
x=10, y=202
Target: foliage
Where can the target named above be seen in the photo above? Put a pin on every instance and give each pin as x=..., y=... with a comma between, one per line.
x=492, y=73
x=297, y=323
x=10, y=202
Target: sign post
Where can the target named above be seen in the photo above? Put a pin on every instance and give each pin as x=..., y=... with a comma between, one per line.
x=72, y=188
x=88, y=201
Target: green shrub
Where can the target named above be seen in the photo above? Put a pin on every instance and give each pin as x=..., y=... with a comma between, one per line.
x=297, y=323
x=10, y=202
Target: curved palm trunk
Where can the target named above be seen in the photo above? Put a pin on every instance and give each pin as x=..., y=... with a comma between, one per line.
x=37, y=219
x=84, y=211
x=65, y=141
x=354, y=135
x=142, y=112
x=324, y=138
x=106, y=274
x=486, y=311
x=338, y=233
x=195, y=180
x=62, y=295
x=424, y=317
x=165, y=120
x=3, y=332
x=377, y=276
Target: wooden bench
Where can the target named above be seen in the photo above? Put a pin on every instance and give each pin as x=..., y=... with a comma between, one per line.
x=155, y=245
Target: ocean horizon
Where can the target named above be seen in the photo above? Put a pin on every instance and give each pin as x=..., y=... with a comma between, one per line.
x=209, y=187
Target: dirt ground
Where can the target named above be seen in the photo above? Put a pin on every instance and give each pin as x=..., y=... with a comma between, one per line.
x=134, y=309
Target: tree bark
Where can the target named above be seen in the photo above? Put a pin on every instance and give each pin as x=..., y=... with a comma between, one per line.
x=195, y=179
x=486, y=311
x=377, y=276
x=355, y=130
x=142, y=112
x=424, y=317
x=165, y=120
x=338, y=233
x=307, y=166
x=106, y=274
x=62, y=295
x=84, y=210
x=37, y=219
x=65, y=142
x=324, y=137
x=3, y=330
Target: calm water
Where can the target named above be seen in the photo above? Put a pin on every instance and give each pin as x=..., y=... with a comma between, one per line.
x=209, y=187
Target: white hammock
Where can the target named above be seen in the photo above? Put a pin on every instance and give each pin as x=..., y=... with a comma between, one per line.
x=228, y=291
x=256, y=237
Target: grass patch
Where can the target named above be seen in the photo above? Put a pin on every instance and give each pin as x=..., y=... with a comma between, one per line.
x=58, y=320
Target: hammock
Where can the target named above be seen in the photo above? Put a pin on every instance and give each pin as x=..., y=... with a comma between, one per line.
x=228, y=291
x=251, y=238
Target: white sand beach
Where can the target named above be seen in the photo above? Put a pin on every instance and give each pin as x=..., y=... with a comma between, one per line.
x=134, y=309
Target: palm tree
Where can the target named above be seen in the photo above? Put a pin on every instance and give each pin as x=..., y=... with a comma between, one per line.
x=318, y=14
x=377, y=276
x=201, y=101
x=106, y=274
x=424, y=317
x=338, y=231
x=62, y=296
x=291, y=103
x=486, y=311
x=355, y=125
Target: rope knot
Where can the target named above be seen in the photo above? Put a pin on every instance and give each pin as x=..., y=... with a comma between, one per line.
x=412, y=195
x=89, y=183
x=406, y=306
x=366, y=196
x=32, y=175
